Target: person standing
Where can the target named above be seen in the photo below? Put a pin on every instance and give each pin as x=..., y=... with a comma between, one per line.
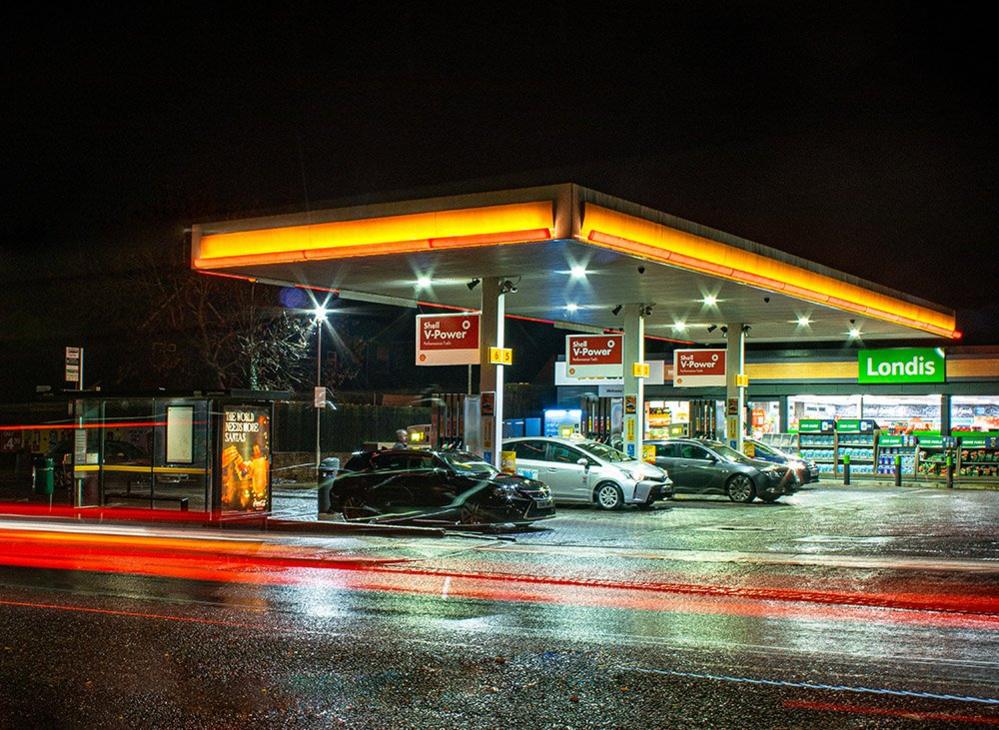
x=401, y=439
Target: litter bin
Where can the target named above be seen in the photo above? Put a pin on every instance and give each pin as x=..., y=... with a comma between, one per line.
x=328, y=469
x=43, y=476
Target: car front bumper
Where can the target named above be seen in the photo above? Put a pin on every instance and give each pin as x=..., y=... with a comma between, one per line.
x=651, y=491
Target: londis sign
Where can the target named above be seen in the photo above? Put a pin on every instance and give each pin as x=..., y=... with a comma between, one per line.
x=594, y=356
x=902, y=365
x=447, y=339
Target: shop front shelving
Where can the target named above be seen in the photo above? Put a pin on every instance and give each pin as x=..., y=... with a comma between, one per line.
x=817, y=442
x=857, y=439
x=890, y=446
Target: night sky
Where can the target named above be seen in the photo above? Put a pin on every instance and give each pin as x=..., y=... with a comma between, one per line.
x=861, y=136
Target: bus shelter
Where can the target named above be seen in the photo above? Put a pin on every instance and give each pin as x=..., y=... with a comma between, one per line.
x=580, y=260
x=189, y=453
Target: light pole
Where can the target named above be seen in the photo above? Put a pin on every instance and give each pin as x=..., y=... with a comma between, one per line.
x=320, y=315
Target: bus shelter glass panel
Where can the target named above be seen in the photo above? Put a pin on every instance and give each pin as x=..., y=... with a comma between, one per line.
x=974, y=413
x=181, y=453
x=127, y=465
x=900, y=414
x=832, y=407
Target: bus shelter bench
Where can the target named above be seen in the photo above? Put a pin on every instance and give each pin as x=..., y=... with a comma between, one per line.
x=129, y=495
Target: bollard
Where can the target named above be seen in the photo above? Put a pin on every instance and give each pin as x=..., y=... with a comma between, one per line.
x=950, y=471
x=898, y=470
x=846, y=470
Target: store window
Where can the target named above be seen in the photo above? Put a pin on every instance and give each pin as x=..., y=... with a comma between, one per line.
x=898, y=414
x=764, y=417
x=661, y=414
x=974, y=413
x=834, y=407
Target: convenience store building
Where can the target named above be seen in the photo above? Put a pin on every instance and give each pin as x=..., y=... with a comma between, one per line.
x=802, y=390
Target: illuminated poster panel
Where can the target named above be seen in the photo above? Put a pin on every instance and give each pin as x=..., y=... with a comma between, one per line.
x=180, y=434
x=246, y=455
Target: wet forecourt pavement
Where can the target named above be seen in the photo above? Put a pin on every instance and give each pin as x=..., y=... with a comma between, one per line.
x=841, y=608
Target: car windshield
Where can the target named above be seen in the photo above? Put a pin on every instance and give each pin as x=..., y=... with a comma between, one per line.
x=770, y=450
x=468, y=464
x=603, y=451
x=730, y=454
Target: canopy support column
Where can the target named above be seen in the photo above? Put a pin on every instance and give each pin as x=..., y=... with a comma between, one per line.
x=491, y=334
x=634, y=387
x=735, y=393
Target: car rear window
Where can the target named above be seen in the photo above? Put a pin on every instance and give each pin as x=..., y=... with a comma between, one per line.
x=530, y=450
x=358, y=462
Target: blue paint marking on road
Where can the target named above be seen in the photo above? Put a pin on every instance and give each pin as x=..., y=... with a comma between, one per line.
x=814, y=685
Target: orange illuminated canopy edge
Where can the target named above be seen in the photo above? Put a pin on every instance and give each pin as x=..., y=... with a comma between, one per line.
x=462, y=228
x=657, y=242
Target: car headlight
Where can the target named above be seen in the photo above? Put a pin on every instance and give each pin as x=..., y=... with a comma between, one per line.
x=504, y=491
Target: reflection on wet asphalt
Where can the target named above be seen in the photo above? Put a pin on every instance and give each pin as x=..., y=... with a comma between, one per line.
x=859, y=608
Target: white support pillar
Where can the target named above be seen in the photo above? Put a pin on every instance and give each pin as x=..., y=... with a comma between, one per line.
x=491, y=334
x=735, y=395
x=634, y=387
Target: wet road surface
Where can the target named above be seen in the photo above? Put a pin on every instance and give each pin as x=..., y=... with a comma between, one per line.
x=844, y=608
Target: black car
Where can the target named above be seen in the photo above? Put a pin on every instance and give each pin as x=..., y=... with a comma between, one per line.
x=435, y=487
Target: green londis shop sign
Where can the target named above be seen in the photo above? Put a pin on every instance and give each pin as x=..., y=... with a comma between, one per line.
x=902, y=365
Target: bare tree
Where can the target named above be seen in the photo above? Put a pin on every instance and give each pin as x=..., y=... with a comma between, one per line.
x=211, y=331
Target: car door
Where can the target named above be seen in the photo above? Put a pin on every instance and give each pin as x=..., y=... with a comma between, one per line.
x=700, y=468
x=567, y=478
x=389, y=483
x=667, y=457
x=429, y=483
x=531, y=457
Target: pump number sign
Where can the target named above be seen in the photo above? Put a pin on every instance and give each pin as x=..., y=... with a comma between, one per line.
x=902, y=365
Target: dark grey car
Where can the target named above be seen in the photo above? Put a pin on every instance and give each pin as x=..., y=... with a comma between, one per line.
x=711, y=467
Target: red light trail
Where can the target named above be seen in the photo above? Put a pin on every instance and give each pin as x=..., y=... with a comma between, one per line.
x=244, y=559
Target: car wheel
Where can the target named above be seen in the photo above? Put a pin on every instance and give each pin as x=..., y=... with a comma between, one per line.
x=353, y=507
x=740, y=488
x=472, y=514
x=608, y=496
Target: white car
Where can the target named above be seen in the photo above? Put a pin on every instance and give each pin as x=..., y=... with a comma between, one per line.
x=589, y=472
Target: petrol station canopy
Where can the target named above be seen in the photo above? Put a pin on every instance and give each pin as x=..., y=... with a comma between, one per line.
x=573, y=254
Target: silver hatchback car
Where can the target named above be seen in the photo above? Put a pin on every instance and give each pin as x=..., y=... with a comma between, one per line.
x=589, y=472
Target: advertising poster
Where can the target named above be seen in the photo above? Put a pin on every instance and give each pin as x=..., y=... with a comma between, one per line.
x=698, y=368
x=246, y=455
x=447, y=339
x=594, y=356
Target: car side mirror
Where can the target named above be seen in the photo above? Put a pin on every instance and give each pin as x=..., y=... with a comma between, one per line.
x=583, y=462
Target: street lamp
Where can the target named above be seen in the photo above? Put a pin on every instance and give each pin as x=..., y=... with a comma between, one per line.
x=319, y=313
